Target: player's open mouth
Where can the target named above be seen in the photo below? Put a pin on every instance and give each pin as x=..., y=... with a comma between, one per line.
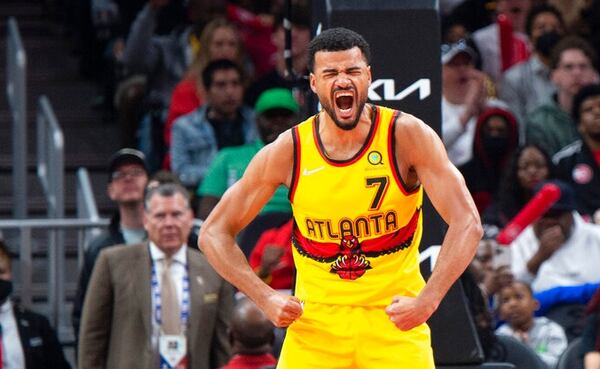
x=344, y=101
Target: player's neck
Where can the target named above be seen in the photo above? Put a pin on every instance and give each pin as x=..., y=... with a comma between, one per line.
x=341, y=144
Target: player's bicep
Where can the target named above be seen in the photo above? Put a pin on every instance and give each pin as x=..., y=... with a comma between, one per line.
x=242, y=201
x=443, y=183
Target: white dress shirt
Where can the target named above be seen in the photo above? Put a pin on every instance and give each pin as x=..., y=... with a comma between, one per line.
x=12, y=351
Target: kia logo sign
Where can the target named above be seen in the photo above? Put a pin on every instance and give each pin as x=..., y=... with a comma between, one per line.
x=423, y=86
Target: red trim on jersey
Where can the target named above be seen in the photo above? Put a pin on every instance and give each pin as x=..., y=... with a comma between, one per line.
x=392, y=155
x=359, y=154
x=296, y=164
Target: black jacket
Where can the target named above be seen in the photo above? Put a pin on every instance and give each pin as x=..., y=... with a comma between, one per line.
x=40, y=345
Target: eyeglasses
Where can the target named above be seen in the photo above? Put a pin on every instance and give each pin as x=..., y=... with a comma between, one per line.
x=119, y=175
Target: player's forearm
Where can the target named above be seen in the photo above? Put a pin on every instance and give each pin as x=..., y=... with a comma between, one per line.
x=230, y=262
x=457, y=251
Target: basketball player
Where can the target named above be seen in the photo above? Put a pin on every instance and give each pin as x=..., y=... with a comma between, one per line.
x=356, y=174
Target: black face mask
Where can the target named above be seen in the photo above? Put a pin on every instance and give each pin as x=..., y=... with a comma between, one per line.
x=6, y=288
x=546, y=42
x=495, y=147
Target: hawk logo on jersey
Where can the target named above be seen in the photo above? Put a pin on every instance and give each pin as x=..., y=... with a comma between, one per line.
x=349, y=256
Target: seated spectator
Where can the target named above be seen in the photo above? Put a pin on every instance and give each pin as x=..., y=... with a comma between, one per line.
x=579, y=163
x=26, y=338
x=464, y=97
x=559, y=249
x=550, y=125
x=222, y=122
x=527, y=85
x=278, y=77
x=275, y=112
x=487, y=39
x=156, y=64
x=544, y=336
x=491, y=267
x=528, y=166
x=272, y=258
x=127, y=179
x=220, y=40
x=251, y=336
x=495, y=139
x=590, y=346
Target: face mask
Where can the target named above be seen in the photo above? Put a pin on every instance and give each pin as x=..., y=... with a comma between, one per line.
x=546, y=42
x=5, y=289
x=495, y=147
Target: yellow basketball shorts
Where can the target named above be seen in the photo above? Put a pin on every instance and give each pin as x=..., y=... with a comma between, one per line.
x=351, y=337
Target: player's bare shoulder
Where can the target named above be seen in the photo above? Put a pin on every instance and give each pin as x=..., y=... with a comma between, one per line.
x=412, y=134
x=276, y=159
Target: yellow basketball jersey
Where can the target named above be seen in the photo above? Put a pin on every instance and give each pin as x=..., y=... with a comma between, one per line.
x=357, y=228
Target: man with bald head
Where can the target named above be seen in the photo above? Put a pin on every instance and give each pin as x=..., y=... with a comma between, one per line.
x=251, y=338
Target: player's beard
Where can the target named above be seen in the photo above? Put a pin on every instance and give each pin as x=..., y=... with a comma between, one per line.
x=346, y=126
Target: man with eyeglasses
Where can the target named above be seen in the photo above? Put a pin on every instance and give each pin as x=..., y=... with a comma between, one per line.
x=550, y=125
x=127, y=179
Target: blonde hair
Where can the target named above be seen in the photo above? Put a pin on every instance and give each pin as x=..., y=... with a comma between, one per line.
x=202, y=56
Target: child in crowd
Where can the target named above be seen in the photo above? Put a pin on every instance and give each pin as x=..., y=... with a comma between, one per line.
x=517, y=306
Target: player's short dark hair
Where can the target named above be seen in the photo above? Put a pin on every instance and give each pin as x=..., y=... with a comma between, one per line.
x=584, y=93
x=337, y=39
x=220, y=64
x=540, y=9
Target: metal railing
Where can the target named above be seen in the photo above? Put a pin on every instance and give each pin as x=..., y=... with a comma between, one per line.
x=51, y=172
x=87, y=224
x=86, y=209
x=16, y=69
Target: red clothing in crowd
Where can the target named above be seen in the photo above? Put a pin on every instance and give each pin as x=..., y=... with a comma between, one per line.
x=282, y=276
x=250, y=361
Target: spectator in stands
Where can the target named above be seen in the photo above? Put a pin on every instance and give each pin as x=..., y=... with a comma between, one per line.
x=496, y=138
x=272, y=258
x=572, y=66
x=527, y=85
x=251, y=337
x=301, y=34
x=221, y=41
x=559, y=249
x=528, y=166
x=26, y=338
x=132, y=317
x=164, y=59
x=276, y=110
x=579, y=163
x=222, y=122
x=487, y=39
x=591, y=334
x=463, y=99
x=127, y=179
x=491, y=267
x=517, y=307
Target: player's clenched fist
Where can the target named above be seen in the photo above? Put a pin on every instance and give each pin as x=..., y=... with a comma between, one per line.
x=282, y=309
x=407, y=312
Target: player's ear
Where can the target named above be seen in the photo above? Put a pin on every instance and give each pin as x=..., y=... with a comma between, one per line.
x=313, y=82
x=369, y=73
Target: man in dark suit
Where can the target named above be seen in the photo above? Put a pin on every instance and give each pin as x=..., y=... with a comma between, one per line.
x=26, y=339
x=127, y=319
